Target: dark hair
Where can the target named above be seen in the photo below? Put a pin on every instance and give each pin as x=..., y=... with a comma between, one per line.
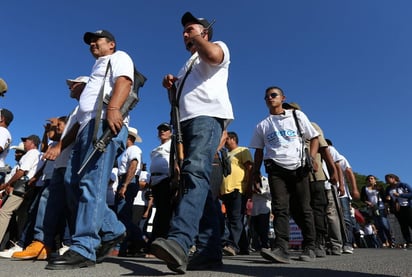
x=390, y=175
x=274, y=87
x=63, y=119
x=329, y=142
x=234, y=136
x=367, y=177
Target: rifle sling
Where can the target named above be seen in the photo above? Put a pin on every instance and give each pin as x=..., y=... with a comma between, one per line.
x=100, y=105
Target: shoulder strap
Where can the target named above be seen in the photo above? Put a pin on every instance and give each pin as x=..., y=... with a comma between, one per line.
x=100, y=104
x=295, y=117
x=179, y=92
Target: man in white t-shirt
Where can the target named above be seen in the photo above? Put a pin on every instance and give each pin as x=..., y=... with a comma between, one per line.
x=279, y=142
x=86, y=193
x=345, y=197
x=28, y=166
x=130, y=163
x=6, y=117
x=205, y=111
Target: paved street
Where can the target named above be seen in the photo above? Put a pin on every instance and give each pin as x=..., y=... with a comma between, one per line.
x=364, y=262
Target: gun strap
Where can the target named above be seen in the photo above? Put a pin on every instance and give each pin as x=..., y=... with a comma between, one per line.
x=300, y=134
x=179, y=92
x=100, y=104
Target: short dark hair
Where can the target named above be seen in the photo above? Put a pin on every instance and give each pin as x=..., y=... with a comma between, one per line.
x=274, y=87
x=234, y=136
x=329, y=142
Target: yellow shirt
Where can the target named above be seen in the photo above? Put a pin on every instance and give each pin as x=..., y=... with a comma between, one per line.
x=236, y=180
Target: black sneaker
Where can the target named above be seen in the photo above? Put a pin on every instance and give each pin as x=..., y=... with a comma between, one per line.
x=308, y=255
x=201, y=262
x=277, y=255
x=320, y=251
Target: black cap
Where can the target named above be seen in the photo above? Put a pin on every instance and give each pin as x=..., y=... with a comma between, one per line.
x=164, y=126
x=35, y=139
x=188, y=18
x=8, y=116
x=88, y=36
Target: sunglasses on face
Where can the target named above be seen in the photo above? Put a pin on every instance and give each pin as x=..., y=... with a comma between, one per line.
x=271, y=95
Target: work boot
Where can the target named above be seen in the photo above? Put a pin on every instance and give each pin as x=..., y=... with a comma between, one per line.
x=36, y=250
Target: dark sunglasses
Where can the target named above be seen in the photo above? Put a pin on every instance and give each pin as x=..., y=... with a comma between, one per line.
x=271, y=95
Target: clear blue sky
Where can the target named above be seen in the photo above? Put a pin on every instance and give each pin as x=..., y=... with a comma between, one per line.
x=347, y=63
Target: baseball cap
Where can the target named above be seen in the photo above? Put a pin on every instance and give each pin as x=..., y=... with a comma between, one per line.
x=134, y=133
x=80, y=79
x=35, y=139
x=188, y=18
x=8, y=116
x=163, y=126
x=3, y=87
x=99, y=33
x=19, y=147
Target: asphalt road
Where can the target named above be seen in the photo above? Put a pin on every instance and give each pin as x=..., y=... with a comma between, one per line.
x=364, y=262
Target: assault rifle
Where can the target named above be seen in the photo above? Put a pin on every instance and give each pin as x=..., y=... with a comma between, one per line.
x=129, y=104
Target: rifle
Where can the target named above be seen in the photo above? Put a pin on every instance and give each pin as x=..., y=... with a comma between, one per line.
x=176, y=151
x=129, y=104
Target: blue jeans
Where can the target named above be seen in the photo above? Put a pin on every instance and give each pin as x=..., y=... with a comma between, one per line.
x=344, y=201
x=233, y=203
x=124, y=211
x=90, y=219
x=196, y=213
x=51, y=215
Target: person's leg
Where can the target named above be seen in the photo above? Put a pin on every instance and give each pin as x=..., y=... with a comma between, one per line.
x=319, y=203
x=334, y=239
x=91, y=220
x=347, y=243
x=13, y=203
x=162, y=196
x=201, y=137
x=302, y=211
x=233, y=203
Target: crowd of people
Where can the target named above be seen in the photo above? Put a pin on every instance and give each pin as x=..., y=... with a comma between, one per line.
x=70, y=203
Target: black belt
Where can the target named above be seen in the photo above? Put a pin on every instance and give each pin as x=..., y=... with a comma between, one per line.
x=157, y=174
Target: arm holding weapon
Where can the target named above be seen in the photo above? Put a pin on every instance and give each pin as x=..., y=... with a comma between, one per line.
x=111, y=132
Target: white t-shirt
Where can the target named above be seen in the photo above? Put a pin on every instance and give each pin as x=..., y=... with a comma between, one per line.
x=112, y=187
x=344, y=165
x=140, y=199
x=5, y=141
x=279, y=137
x=205, y=91
x=121, y=64
x=159, y=162
x=262, y=201
x=29, y=161
x=131, y=153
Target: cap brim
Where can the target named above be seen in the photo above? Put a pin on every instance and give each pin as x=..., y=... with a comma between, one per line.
x=189, y=18
x=88, y=36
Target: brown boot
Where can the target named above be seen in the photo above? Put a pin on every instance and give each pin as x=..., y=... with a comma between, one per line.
x=36, y=250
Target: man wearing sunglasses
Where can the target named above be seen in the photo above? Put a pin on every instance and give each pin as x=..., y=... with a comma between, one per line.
x=279, y=142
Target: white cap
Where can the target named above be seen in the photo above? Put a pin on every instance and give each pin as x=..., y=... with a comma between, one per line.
x=18, y=147
x=80, y=79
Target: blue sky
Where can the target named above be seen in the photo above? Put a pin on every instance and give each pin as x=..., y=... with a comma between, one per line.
x=347, y=63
